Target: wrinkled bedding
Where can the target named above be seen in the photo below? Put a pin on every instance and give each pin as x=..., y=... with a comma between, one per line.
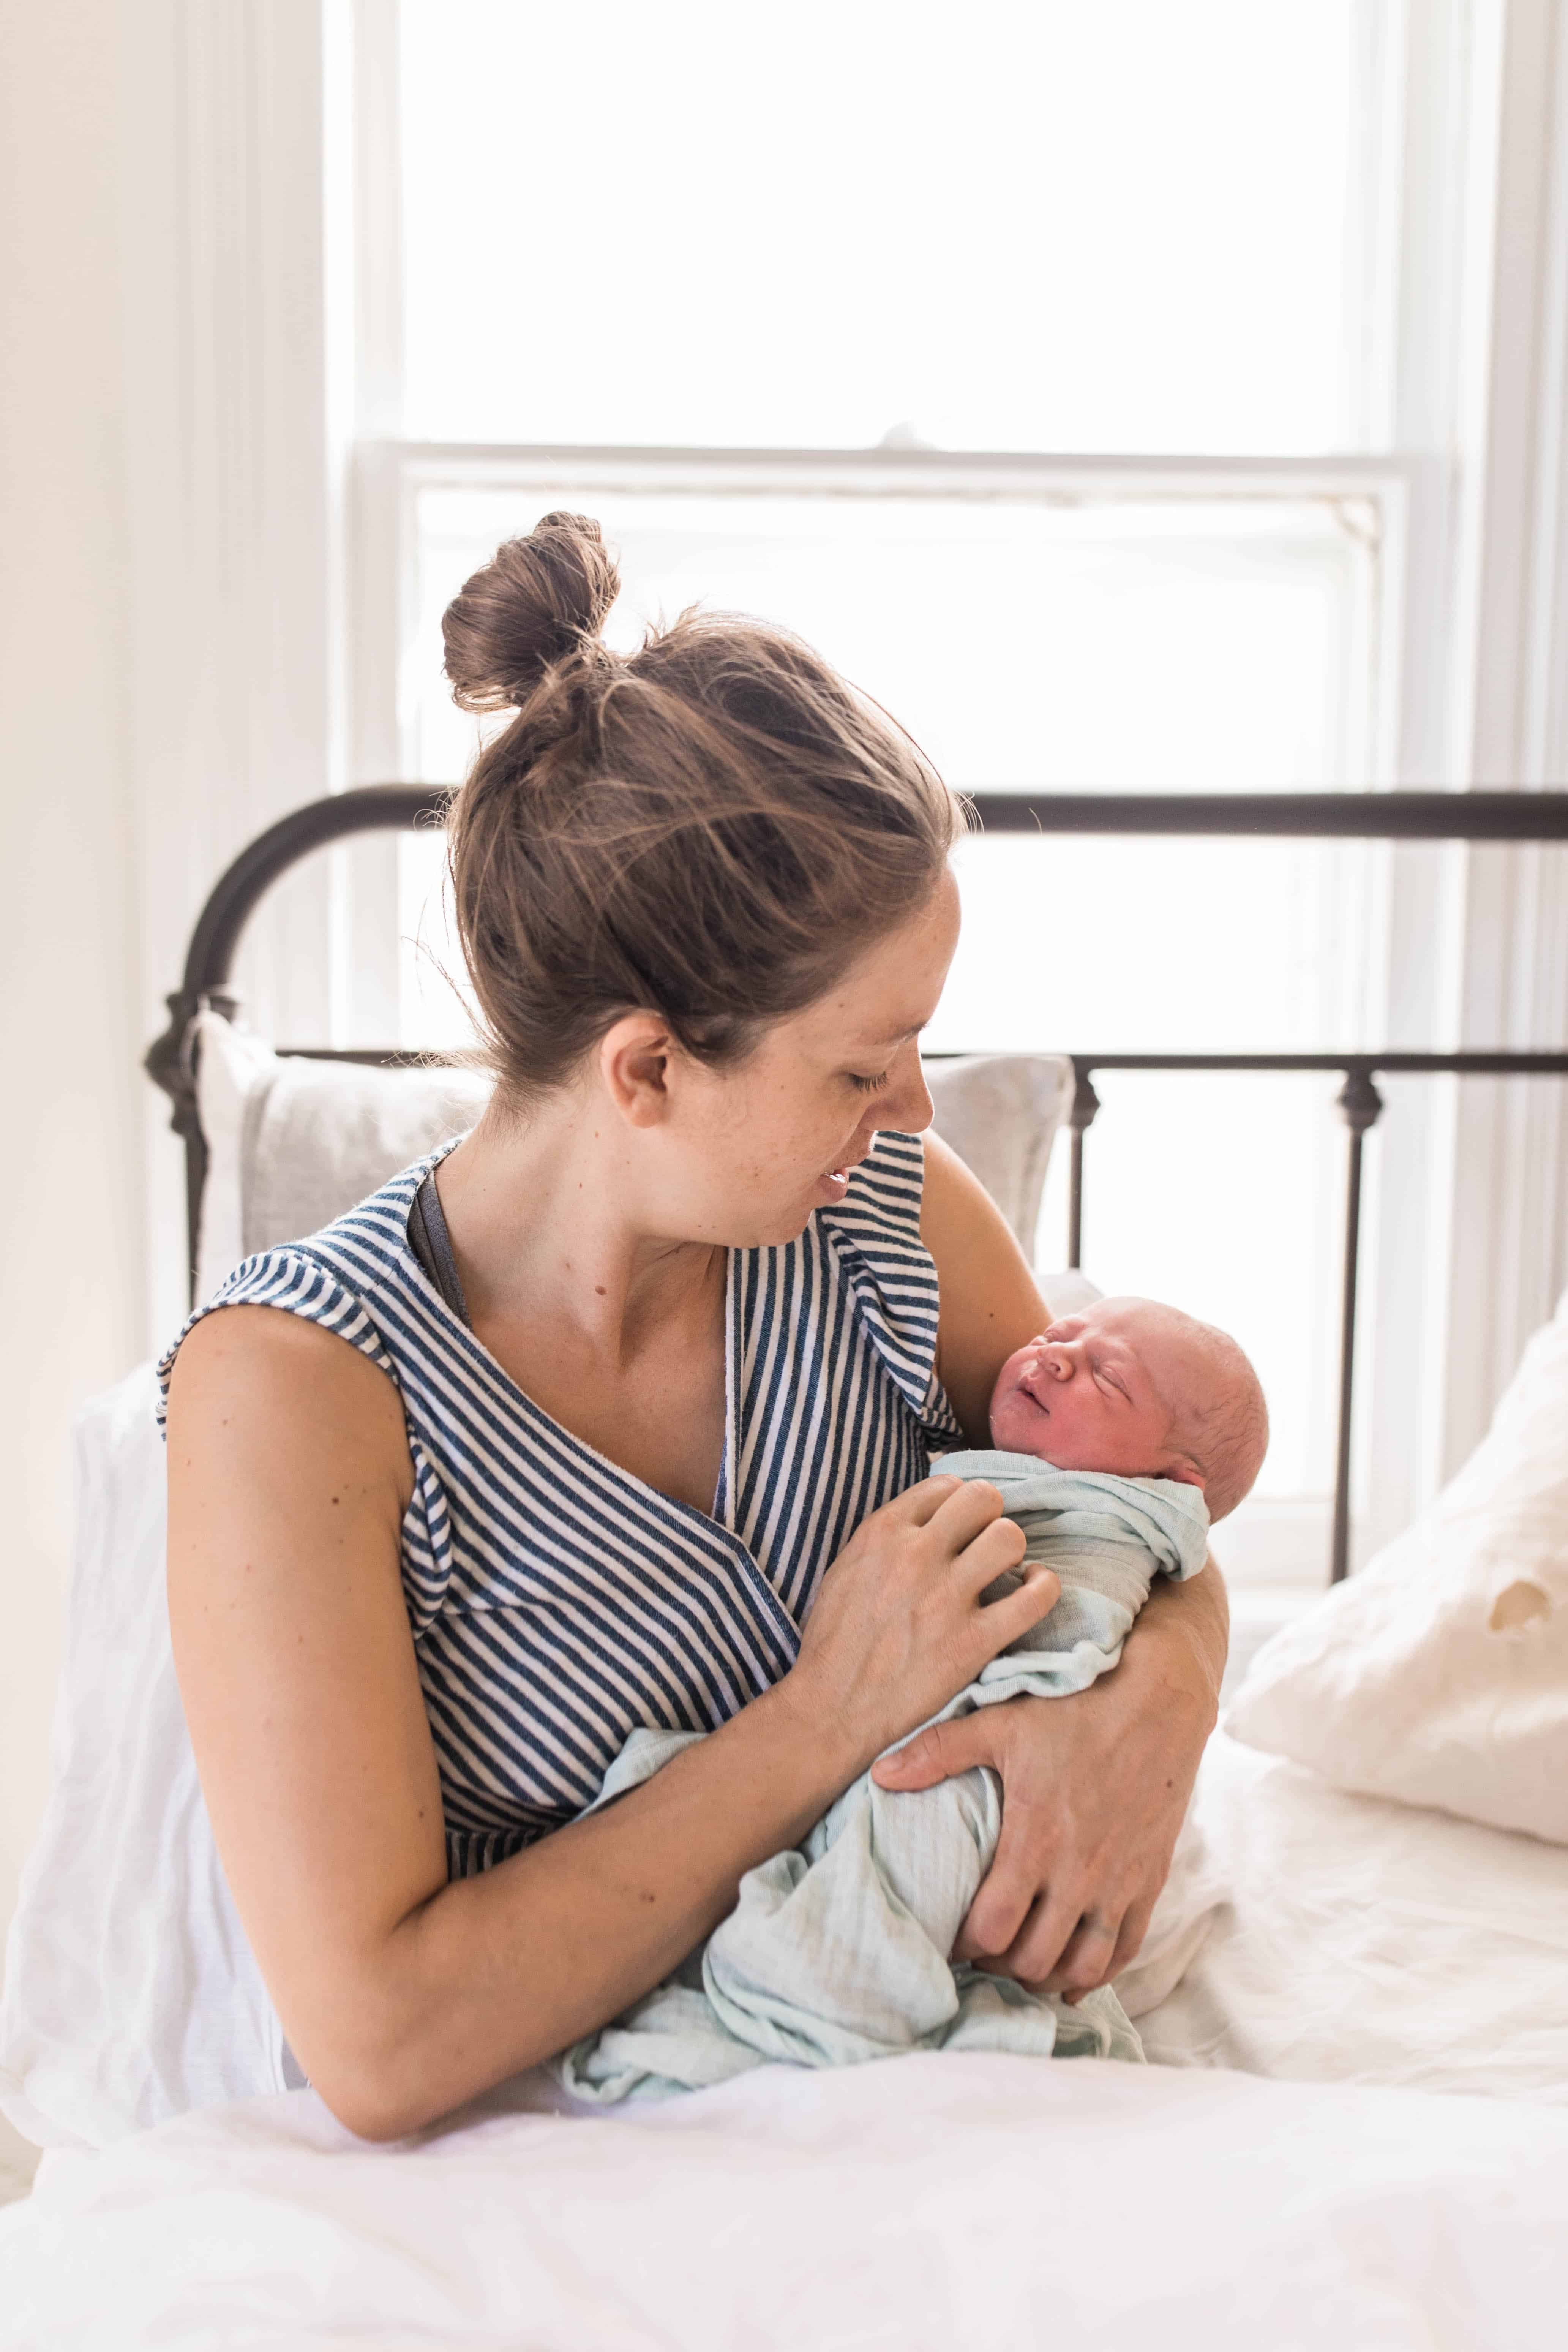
x=946, y=2201
x=963, y=2204
x=1311, y=1934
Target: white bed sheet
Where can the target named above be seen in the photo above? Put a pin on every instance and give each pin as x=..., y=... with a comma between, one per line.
x=1353, y=1940
x=928, y=2202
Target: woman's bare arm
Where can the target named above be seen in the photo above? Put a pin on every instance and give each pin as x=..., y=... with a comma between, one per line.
x=1094, y=1787
x=991, y=1302
x=403, y=1995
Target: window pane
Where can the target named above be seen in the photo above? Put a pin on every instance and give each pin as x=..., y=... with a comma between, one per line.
x=1027, y=642
x=1117, y=226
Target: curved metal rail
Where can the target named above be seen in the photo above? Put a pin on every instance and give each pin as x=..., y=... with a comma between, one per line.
x=1482, y=816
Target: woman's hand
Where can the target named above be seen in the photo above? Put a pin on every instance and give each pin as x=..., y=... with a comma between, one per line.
x=898, y=1627
x=1094, y=1790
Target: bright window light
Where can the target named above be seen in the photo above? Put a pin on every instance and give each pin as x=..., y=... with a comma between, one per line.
x=1117, y=226
x=1028, y=643
x=1126, y=227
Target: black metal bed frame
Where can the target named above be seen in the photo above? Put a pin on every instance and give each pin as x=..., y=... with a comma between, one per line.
x=1481, y=817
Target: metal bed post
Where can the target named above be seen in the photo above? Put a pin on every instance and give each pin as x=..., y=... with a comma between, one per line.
x=1359, y=1103
x=1085, y=1103
x=170, y=1061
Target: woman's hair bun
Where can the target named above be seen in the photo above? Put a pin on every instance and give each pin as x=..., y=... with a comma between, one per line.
x=530, y=605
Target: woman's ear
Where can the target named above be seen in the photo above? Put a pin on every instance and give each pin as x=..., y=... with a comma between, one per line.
x=635, y=1059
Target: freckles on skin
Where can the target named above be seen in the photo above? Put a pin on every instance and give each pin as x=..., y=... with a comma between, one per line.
x=768, y=1143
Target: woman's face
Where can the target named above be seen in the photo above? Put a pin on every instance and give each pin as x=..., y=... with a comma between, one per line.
x=751, y=1150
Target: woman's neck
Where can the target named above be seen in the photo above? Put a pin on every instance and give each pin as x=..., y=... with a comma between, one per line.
x=541, y=1210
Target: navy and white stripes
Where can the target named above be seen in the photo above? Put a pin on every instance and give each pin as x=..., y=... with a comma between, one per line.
x=557, y=1601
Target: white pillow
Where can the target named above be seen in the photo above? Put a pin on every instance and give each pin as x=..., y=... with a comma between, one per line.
x=1001, y=1113
x=130, y=1993
x=1439, y=1674
x=293, y=1143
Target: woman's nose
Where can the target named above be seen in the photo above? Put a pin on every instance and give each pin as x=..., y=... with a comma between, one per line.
x=906, y=1105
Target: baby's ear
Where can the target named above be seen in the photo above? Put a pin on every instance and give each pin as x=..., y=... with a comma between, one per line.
x=1185, y=1473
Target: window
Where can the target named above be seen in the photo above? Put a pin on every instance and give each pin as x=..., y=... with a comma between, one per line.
x=720, y=225
x=1057, y=370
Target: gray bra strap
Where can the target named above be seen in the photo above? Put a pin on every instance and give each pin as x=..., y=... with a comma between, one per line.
x=432, y=1245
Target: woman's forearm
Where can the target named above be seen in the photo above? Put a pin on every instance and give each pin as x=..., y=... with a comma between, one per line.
x=494, y=1973
x=1183, y=1632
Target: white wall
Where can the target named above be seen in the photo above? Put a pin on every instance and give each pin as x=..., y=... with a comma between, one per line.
x=165, y=567
x=71, y=1273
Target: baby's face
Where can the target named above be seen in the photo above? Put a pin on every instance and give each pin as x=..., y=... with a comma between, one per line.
x=1103, y=1390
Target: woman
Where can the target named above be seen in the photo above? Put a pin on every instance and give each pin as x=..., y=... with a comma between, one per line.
x=631, y=1424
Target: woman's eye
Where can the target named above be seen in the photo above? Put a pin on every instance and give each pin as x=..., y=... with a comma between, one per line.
x=868, y=1085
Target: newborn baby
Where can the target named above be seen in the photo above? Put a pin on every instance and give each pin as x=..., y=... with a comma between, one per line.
x=1131, y=1387
x=1120, y=1433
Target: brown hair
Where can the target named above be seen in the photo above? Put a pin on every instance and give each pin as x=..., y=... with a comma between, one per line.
x=712, y=828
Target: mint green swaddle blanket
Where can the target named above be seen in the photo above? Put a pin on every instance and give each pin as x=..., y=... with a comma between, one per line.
x=837, y=1951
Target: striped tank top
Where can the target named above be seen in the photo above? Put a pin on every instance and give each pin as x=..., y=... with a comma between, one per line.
x=556, y=1602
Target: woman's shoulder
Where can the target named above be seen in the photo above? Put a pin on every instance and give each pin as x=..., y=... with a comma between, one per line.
x=346, y=1281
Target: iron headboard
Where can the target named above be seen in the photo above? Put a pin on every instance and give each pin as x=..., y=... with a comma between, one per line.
x=1512, y=816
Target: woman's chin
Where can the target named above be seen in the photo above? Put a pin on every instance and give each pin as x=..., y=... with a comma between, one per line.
x=776, y=1230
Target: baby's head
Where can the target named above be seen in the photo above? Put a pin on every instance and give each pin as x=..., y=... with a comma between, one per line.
x=1131, y=1386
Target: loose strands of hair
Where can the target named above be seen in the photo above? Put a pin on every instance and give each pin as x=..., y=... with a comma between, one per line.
x=712, y=827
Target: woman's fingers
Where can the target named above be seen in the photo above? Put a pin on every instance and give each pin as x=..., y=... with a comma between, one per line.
x=938, y=1753
x=918, y=1506
x=1018, y=1613
x=969, y=1510
x=1129, y=1940
x=1086, y=1961
x=1006, y=1900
